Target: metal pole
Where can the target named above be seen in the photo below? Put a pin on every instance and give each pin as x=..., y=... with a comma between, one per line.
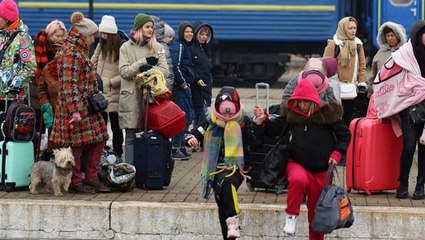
x=91, y=9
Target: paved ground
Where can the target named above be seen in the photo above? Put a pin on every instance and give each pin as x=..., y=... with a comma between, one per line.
x=185, y=183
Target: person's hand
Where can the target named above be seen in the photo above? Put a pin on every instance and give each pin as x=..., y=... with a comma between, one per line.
x=332, y=162
x=259, y=114
x=184, y=85
x=201, y=83
x=152, y=60
x=193, y=142
x=76, y=117
x=144, y=68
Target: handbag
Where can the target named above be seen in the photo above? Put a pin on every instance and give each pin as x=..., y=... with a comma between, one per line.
x=97, y=103
x=348, y=91
x=333, y=208
x=276, y=160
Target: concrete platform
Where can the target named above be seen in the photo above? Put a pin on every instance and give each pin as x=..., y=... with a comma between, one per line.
x=177, y=212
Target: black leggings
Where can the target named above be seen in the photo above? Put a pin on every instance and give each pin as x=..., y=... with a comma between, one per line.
x=226, y=197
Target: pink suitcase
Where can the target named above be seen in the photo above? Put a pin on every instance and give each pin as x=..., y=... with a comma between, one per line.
x=373, y=156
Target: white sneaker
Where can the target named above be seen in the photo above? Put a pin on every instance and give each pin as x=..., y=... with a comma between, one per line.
x=290, y=224
x=233, y=228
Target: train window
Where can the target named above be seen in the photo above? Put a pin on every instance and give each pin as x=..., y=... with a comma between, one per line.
x=401, y=2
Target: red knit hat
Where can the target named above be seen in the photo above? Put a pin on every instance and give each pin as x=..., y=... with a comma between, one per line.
x=9, y=10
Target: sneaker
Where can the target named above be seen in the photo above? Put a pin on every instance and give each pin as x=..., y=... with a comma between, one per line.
x=81, y=189
x=187, y=154
x=290, y=224
x=233, y=228
x=98, y=186
x=178, y=155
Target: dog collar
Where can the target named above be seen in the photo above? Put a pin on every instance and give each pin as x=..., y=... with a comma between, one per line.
x=63, y=171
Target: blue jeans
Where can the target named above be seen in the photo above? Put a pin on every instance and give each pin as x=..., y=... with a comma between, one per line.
x=130, y=134
x=200, y=114
x=183, y=99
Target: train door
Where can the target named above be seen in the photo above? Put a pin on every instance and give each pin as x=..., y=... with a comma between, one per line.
x=404, y=12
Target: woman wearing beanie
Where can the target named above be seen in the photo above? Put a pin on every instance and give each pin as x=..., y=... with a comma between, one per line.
x=317, y=72
x=225, y=136
x=139, y=54
x=184, y=76
x=73, y=125
x=160, y=29
x=348, y=49
x=201, y=58
x=47, y=42
x=106, y=60
x=17, y=65
x=318, y=138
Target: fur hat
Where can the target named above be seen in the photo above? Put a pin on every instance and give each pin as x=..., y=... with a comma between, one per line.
x=108, y=25
x=140, y=20
x=168, y=31
x=9, y=10
x=85, y=26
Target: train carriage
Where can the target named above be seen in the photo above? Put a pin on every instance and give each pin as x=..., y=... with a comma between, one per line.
x=253, y=38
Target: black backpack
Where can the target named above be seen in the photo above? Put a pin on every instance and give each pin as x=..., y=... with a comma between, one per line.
x=19, y=122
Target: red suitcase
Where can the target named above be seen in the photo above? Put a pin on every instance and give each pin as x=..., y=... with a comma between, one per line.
x=373, y=156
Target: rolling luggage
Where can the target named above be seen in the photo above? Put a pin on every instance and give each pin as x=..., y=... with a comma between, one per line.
x=373, y=156
x=257, y=154
x=16, y=148
x=152, y=157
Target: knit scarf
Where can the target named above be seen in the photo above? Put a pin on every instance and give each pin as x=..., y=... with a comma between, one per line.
x=41, y=47
x=229, y=130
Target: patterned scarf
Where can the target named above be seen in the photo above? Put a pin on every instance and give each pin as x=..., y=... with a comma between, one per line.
x=43, y=51
x=229, y=130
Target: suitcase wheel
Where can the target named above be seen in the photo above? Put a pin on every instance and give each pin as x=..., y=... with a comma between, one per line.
x=348, y=190
x=8, y=187
x=250, y=187
x=368, y=193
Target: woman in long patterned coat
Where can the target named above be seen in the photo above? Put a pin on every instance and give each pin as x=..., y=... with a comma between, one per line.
x=74, y=126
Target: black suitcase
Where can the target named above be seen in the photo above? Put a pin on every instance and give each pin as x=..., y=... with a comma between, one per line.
x=258, y=153
x=152, y=157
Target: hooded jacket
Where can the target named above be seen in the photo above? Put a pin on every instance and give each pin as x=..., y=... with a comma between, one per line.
x=312, y=139
x=418, y=29
x=181, y=57
x=158, y=28
x=384, y=49
x=201, y=59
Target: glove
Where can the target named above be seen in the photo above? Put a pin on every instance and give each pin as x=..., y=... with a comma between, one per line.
x=75, y=117
x=47, y=111
x=152, y=60
x=144, y=68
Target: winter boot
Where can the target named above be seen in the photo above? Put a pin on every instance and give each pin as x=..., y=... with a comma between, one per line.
x=233, y=228
x=290, y=224
x=403, y=190
x=419, y=189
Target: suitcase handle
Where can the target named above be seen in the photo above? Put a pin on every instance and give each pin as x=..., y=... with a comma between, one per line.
x=267, y=87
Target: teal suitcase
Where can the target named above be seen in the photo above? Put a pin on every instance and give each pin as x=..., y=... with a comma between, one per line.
x=17, y=159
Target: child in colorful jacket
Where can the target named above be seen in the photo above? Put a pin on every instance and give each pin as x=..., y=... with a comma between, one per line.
x=226, y=135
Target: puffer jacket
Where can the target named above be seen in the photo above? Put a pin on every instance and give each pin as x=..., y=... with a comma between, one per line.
x=201, y=59
x=131, y=57
x=18, y=65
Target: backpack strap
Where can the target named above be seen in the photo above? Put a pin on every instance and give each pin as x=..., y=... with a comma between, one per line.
x=7, y=44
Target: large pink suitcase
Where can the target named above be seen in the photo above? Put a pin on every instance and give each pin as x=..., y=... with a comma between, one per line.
x=373, y=156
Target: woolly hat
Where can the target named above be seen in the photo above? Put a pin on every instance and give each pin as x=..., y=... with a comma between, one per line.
x=320, y=81
x=108, y=25
x=305, y=90
x=9, y=10
x=168, y=31
x=84, y=25
x=230, y=94
x=330, y=65
x=140, y=20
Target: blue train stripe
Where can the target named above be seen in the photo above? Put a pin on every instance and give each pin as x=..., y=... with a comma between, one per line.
x=236, y=7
